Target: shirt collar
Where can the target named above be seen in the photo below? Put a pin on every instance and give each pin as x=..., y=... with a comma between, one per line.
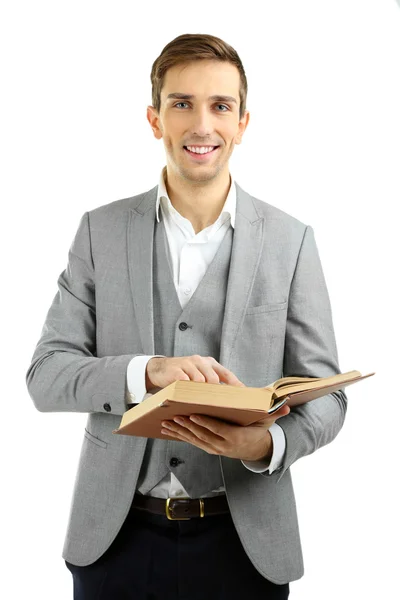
x=229, y=206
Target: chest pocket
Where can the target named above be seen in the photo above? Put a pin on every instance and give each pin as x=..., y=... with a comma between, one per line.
x=269, y=307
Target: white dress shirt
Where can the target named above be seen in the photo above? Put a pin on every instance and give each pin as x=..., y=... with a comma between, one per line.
x=191, y=255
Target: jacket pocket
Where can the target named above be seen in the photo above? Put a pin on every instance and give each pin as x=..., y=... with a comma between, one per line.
x=270, y=307
x=95, y=439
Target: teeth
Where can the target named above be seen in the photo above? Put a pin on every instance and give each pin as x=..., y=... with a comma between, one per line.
x=200, y=150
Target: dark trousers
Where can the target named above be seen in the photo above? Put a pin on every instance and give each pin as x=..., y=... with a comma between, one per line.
x=153, y=558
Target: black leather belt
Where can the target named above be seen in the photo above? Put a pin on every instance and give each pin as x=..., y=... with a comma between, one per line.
x=182, y=509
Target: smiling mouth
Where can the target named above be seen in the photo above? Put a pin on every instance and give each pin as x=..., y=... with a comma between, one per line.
x=200, y=155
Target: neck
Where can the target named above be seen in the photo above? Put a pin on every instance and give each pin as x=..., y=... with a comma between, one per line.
x=201, y=204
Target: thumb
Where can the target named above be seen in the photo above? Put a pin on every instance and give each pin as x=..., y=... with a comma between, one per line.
x=282, y=412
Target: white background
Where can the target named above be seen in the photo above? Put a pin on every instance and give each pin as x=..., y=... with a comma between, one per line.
x=322, y=144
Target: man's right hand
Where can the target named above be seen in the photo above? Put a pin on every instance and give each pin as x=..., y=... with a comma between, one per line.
x=160, y=372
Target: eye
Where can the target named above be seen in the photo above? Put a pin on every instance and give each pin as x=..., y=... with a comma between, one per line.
x=219, y=105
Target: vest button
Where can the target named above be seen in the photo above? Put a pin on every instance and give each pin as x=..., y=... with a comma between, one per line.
x=107, y=407
x=183, y=326
x=174, y=462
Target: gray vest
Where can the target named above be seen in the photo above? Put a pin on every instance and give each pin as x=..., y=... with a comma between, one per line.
x=198, y=471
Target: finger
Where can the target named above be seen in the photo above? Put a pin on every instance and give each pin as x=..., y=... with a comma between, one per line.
x=191, y=369
x=200, y=368
x=185, y=435
x=181, y=376
x=282, y=412
x=203, y=433
x=220, y=429
x=206, y=366
x=226, y=375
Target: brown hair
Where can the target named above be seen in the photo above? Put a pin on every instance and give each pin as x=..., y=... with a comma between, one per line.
x=195, y=46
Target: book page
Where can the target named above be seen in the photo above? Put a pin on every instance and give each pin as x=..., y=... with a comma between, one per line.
x=280, y=383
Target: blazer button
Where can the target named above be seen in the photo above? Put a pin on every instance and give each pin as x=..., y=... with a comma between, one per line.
x=174, y=462
x=183, y=326
x=107, y=407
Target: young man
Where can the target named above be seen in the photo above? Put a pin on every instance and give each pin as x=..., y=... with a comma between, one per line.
x=193, y=279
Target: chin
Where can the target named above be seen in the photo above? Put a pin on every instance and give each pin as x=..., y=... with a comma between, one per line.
x=202, y=174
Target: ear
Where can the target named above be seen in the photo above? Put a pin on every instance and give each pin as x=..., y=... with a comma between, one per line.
x=154, y=120
x=244, y=121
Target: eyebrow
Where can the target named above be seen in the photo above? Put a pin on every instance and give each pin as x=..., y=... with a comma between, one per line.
x=215, y=98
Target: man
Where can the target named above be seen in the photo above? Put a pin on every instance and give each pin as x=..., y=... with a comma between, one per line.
x=194, y=279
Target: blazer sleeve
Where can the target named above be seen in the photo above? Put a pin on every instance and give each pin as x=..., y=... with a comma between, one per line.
x=65, y=374
x=310, y=351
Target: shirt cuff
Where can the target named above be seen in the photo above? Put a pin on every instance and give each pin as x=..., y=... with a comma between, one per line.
x=278, y=452
x=136, y=379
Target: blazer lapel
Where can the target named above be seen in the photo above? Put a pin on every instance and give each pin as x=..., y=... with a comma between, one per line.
x=246, y=252
x=140, y=260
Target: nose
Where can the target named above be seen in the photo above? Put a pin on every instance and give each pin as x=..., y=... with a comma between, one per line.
x=201, y=123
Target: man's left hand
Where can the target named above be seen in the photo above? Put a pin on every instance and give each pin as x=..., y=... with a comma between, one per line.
x=253, y=442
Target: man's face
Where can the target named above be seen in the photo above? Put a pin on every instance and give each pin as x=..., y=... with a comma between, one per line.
x=207, y=119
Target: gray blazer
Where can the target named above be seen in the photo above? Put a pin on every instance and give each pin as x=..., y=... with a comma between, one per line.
x=277, y=323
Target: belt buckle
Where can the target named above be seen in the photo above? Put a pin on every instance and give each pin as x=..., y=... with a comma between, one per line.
x=172, y=518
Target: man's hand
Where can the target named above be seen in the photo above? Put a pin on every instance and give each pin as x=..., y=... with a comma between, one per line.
x=160, y=372
x=214, y=436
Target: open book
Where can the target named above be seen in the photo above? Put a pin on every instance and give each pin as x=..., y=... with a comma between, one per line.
x=230, y=403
